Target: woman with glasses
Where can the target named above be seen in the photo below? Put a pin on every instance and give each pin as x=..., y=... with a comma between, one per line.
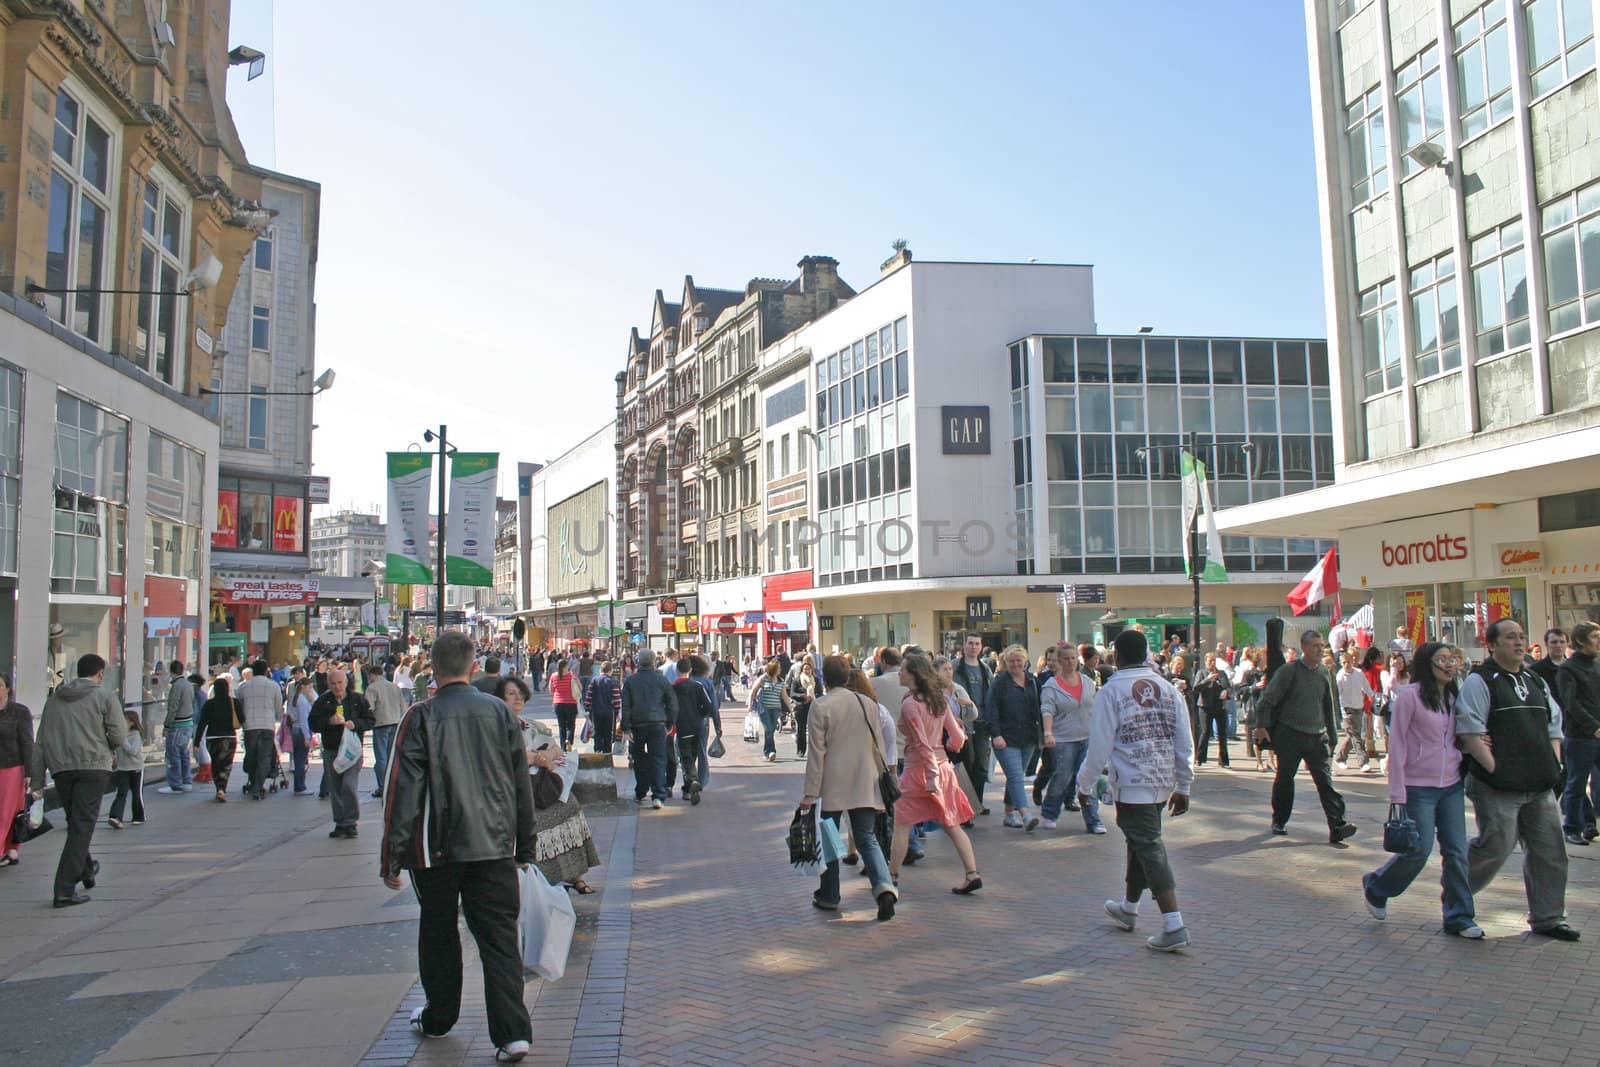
x=1425, y=777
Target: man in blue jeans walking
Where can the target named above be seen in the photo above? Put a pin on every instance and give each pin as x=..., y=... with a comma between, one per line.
x=1577, y=690
x=648, y=705
x=178, y=727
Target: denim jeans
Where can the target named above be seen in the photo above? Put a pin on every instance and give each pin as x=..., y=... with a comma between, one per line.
x=866, y=845
x=382, y=742
x=1578, y=799
x=1069, y=760
x=650, y=761
x=1441, y=813
x=302, y=755
x=1013, y=758
x=178, y=739
x=769, y=726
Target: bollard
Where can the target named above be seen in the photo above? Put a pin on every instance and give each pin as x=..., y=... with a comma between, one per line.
x=596, y=782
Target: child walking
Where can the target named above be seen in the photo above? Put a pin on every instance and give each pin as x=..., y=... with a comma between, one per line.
x=129, y=775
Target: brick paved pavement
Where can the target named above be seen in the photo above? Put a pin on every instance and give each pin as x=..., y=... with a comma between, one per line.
x=232, y=934
x=727, y=962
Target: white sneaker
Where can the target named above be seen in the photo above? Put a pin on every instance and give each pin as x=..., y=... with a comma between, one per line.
x=1120, y=915
x=1170, y=940
x=188, y=789
x=416, y=1022
x=1048, y=824
x=169, y=791
x=1342, y=766
x=511, y=1053
x=1471, y=933
x=1098, y=828
x=656, y=803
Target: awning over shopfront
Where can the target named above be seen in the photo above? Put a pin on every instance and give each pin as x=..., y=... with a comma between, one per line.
x=1562, y=463
x=334, y=591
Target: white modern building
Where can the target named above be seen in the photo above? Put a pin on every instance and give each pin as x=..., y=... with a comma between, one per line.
x=571, y=575
x=969, y=421
x=1458, y=149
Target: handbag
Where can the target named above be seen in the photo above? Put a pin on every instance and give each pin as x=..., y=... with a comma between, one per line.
x=548, y=920
x=717, y=749
x=888, y=784
x=24, y=829
x=349, y=751
x=804, y=848
x=1400, y=833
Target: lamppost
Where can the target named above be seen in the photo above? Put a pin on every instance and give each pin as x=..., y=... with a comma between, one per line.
x=445, y=448
x=1196, y=556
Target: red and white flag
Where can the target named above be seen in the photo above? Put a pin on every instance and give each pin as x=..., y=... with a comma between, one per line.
x=1323, y=581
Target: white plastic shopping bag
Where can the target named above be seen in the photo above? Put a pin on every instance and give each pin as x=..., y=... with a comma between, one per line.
x=349, y=751
x=547, y=919
x=36, y=813
x=752, y=727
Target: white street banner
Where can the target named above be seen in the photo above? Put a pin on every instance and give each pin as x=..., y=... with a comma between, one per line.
x=1196, y=497
x=410, y=474
x=469, y=529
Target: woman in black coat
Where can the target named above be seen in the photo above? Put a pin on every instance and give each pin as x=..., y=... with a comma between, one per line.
x=219, y=725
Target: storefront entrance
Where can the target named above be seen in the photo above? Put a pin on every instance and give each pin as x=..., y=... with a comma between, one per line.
x=1007, y=627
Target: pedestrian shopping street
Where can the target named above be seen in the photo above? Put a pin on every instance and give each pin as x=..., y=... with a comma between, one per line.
x=239, y=934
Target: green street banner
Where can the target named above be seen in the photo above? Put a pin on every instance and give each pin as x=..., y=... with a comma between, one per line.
x=469, y=529
x=1196, y=497
x=407, y=563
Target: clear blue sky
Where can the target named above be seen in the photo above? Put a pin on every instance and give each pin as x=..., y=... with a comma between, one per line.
x=504, y=190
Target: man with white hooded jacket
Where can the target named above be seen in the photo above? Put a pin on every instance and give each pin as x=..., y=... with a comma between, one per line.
x=1140, y=725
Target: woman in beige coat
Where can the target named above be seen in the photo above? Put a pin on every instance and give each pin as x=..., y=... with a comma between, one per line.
x=843, y=763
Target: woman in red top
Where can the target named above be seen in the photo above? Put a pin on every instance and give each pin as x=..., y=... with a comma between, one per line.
x=1372, y=667
x=928, y=785
x=566, y=703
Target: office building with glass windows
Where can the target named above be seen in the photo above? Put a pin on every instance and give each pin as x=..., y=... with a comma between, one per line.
x=1458, y=149
x=977, y=451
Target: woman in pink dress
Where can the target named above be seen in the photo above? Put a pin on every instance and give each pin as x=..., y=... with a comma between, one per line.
x=928, y=785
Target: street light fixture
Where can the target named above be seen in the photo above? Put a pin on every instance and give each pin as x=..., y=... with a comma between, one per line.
x=323, y=383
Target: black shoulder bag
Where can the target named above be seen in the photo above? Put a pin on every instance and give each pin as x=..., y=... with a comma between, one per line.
x=888, y=784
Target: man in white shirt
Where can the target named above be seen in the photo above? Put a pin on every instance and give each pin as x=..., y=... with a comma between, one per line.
x=1354, y=692
x=388, y=708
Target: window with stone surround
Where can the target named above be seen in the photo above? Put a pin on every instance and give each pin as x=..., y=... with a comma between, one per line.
x=1435, y=317
x=1483, y=68
x=163, y=260
x=1419, y=92
x=1380, y=338
x=1560, y=36
x=77, y=248
x=1364, y=130
x=1571, y=228
x=1500, y=290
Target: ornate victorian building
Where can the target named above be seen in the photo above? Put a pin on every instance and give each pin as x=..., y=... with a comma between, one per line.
x=658, y=450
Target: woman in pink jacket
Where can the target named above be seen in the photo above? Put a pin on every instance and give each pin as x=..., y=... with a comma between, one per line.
x=1425, y=776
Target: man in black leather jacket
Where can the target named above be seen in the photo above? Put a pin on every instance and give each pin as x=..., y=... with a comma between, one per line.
x=648, y=708
x=459, y=817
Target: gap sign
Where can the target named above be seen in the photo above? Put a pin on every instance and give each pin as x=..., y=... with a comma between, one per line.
x=965, y=430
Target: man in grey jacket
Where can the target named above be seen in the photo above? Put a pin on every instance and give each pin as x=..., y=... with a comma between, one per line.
x=178, y=727
x=648, y=706
x=79, y=729
x=387, y=708
x=262, y=702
